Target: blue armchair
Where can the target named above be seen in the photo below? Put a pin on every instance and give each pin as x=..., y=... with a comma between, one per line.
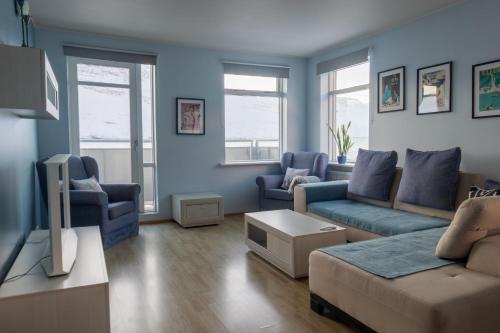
x=115, y=210
x=272, y=196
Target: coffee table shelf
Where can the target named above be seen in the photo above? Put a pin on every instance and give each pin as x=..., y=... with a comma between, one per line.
x=286, y=238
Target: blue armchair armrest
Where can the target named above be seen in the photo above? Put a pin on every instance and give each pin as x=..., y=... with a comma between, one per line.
x=326, y=191
x=82, y=198
x=269, y=181
x=122, y=192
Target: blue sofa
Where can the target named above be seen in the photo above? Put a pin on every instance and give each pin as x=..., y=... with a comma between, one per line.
x=272, y=196
x=115, y=210
x=367, y=218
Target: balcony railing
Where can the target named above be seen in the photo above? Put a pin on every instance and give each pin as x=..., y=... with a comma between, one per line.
x=114, y=160
x=252, y=150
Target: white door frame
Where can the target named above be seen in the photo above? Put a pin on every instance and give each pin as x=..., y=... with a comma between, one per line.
x=134, y=87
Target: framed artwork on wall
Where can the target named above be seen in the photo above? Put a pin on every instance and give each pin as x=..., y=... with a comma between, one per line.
x=391, y=90
x=486, y=90
x=190, y=116
x=434, y=84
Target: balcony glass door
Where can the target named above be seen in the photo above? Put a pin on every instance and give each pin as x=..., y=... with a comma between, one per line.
x=112, y=120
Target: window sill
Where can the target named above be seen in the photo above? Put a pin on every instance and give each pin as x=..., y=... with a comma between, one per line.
x=242, y=163
x=341, y=167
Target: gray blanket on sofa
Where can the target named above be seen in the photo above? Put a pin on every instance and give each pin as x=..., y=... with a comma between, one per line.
x=392, y=257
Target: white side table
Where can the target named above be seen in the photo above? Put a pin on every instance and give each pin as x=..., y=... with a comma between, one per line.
x=197, y=209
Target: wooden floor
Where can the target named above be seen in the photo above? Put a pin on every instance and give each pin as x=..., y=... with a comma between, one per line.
x=170, y=279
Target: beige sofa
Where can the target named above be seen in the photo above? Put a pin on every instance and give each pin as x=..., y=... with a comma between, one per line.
x=455, y=298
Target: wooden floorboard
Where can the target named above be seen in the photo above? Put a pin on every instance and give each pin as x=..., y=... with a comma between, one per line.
x=171, y=279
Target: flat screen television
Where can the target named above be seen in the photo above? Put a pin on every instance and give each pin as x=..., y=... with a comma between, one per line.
x=63, y=241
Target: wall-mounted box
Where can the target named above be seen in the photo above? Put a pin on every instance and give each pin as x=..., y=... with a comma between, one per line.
x=28, y=86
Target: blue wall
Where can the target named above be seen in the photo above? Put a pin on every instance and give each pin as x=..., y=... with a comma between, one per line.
x=465, y=34
x=18, y=151
x=185, y=163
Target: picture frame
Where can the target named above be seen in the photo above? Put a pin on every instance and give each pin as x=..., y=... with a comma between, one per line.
x=434, y=88
x=190, y=116
x=391, y=90
x=486, y=90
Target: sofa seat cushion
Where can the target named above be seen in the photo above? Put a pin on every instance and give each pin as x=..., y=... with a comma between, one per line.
x=278, y=194
x=448, y=299
x=120, y=208
x=379, y=220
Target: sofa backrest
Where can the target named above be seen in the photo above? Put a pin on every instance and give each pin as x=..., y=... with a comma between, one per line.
x=317, y=163
x=466, y=180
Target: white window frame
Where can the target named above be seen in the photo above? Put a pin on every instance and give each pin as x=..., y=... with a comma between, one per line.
x=332, y=112
x=281, y=93
x=137, y=161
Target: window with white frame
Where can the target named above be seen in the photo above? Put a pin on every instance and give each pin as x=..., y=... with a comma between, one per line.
x=255, y=103
x=346, y=95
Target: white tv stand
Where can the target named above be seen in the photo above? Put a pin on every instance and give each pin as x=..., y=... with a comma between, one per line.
x=77, y=302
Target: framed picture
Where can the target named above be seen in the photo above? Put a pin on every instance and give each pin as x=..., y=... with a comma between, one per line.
x=391, y=90
x=190, y=116
x=486, y=90
x=434, y=89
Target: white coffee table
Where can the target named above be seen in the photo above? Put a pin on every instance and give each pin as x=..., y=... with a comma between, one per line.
x=286, y=238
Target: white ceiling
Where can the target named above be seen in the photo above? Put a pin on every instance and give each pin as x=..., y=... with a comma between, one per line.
x=289, y=27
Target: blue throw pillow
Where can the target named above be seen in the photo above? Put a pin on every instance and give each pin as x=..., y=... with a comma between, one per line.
x=373, y=174
x=430, y=179
x=492, y=185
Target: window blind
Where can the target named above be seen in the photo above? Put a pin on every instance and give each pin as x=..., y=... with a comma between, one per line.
x=112, y=55
x=344, y=61
x=282, y=72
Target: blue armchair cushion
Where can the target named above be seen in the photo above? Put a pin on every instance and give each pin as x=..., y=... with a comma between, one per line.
x=379, y=220
x=278, y=194
x=373, y=174
x=430, y=179
x=120, y=208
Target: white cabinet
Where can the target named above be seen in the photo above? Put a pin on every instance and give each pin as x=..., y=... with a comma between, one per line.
x=76, y=303
x=28, y=86
x=197, y=209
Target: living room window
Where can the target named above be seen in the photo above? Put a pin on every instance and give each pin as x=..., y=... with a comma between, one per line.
x=255, y=104
x=345, y=86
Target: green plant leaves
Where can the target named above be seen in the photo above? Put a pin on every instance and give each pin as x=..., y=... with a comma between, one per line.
x=342, y=138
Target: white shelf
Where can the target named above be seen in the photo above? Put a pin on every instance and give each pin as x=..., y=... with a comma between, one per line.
x=28, y=86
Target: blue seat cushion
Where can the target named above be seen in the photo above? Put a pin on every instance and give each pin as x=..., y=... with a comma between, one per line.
x=379, y=220
x=120, y=208
x=278, y=194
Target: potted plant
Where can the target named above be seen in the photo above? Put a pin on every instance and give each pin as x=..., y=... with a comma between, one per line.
x=343, y=141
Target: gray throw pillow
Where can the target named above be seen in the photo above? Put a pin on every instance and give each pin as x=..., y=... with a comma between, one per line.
x=430, y=179
x=89, y=184
x=373, y=174
x=290, y=174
